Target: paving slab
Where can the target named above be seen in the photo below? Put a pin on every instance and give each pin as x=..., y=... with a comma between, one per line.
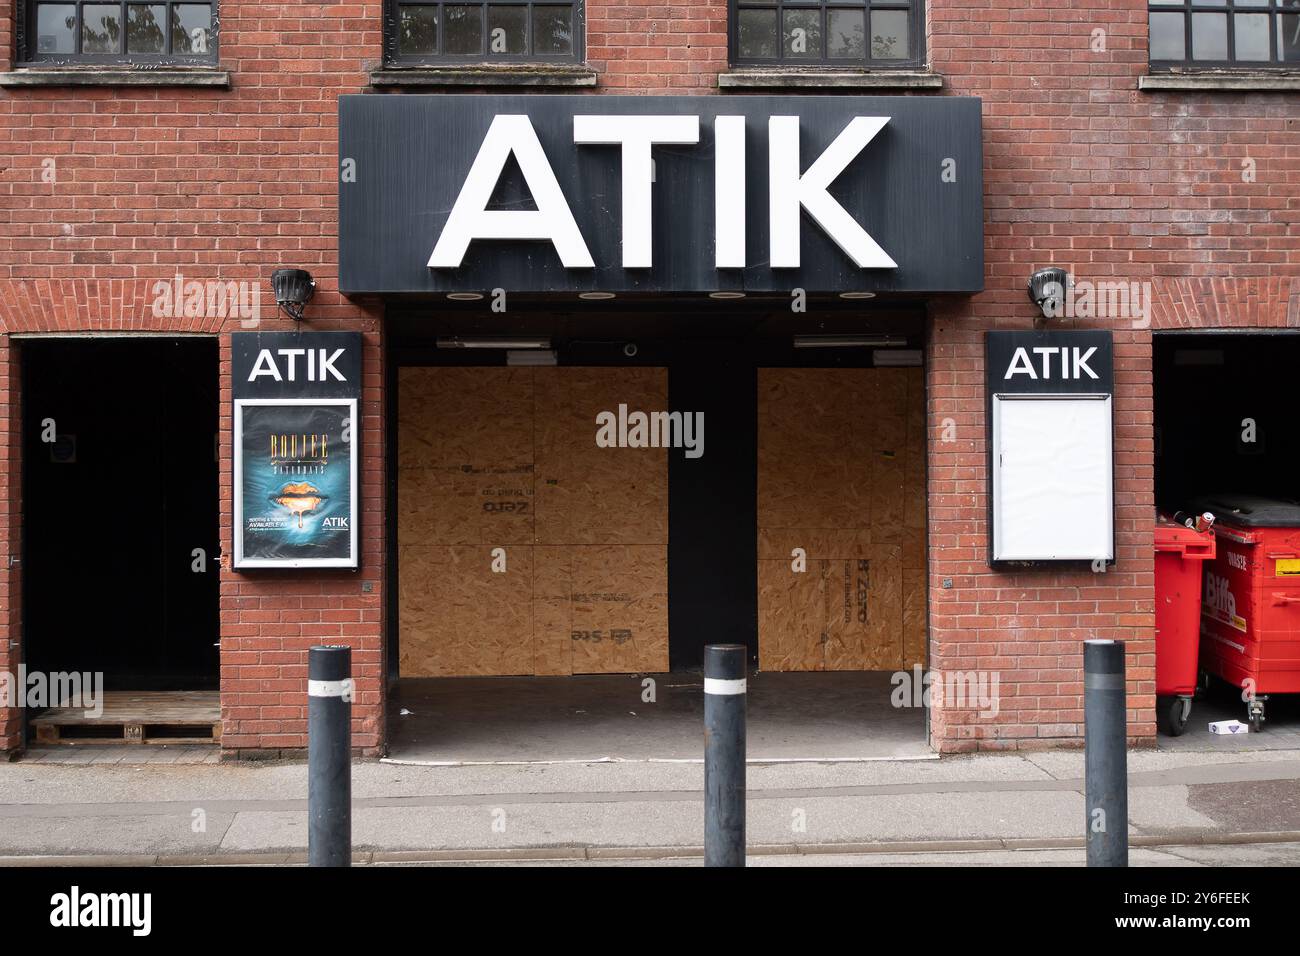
x=57, y=809
x=844, y=716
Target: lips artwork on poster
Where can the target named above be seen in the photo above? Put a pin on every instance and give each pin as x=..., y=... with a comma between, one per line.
x=296, y=483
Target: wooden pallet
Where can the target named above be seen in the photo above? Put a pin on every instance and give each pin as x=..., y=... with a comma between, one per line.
x=165, y=717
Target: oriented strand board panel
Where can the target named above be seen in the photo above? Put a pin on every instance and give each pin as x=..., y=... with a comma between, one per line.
x=864, y=619
x=592, y=495
x=553, y=610
x=778, y=543
x=619, y=609
x=888, y=458
x=792, y=616
x=816, y=434
x=841, y=476
x=465, y=456
x=458, y=618
x=507, y=458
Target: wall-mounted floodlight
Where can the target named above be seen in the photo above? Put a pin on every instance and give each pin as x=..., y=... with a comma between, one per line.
x=1046, y=289
x=293, y=289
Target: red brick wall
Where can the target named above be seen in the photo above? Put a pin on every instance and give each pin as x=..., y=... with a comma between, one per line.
x=227, y=184
x=672, y=47
x=1081, y=170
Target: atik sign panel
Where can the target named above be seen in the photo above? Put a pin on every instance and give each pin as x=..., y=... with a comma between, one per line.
x=296, y=439
x=554, y=194
x=1041, y=362
x=1051, y=447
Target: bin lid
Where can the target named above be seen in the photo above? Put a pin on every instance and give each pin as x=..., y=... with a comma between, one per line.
x=1251, y=511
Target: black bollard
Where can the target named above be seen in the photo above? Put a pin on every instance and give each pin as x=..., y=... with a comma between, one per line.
x=329, y=756
x=1105, y=753
x=724, y=754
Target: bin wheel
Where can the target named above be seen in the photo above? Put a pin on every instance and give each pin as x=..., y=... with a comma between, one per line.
x=1202, y=685
x=1176, y=714
x=1256, y=715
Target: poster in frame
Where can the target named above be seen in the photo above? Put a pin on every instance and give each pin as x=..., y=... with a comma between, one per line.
x=295, y=482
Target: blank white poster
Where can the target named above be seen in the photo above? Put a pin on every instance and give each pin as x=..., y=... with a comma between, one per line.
x=1053, y=492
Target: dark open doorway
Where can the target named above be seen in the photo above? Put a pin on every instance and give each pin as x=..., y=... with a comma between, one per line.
x=1223, y=416
x=1226, y=435
x=120, y=510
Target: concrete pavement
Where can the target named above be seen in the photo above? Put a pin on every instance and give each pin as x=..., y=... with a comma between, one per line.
x=1002, y=806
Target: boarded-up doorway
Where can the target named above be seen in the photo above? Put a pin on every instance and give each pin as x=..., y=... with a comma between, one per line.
x=841, y=494
x=498, y=468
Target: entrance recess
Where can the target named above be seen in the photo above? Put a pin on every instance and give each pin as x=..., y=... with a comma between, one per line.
x=120, y=529
x=554, y=589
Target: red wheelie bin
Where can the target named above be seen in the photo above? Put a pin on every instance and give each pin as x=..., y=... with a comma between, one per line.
x=1181, y=554
x=1250, y=616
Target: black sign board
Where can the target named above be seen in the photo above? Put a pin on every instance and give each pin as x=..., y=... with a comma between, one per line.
x=296, y=438
x=296, y=364
x=1045, y=362
x=664, y=194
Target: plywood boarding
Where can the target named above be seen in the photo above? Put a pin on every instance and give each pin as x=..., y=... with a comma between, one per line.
x=506, y=458
x=465, y=456
x=841, y=475
x=458, y=617
x=592, y=495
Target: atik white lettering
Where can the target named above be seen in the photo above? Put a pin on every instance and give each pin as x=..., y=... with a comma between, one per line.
x=791, y=191
x=1073, y=364
x=318, y=368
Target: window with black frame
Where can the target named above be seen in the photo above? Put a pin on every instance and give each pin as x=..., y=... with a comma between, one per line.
x=875, y=34
x=1219, y=34
x=97, y=32
x=518, y=31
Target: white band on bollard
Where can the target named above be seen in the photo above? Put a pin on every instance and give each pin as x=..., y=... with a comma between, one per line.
x=329, y=688
x=1103, y=681
x=716, y=685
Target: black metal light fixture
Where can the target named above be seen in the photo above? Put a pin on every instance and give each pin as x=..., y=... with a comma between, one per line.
x=515, y=342
x=848, y=341
x=1046, y=290
x=293, y=290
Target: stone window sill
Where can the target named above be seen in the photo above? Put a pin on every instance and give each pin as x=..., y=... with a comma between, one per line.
x=1228, y=81
x=758, y=78
x=484, y=75
x=116, y=76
